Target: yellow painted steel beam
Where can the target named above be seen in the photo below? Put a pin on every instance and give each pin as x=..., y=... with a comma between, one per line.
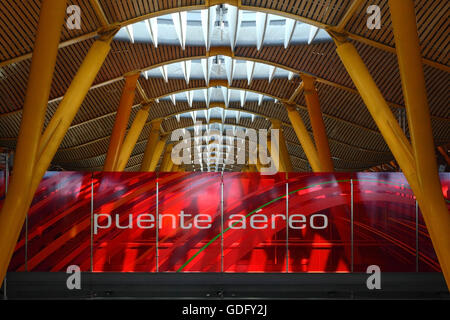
x=285, y=160
x=142, y=92
x=99, y=13
x=131, y=138
x=429, y=200
x=433, y=206
x=14, y=210
x=67, y=109
x=70, y=105
x=158, y=152
x=317, y=124
x=378, y=108
x=296, y=93
x=166, y=163
x=348, y=14
x=121, y=123
x=151, y=147
x=304, y=138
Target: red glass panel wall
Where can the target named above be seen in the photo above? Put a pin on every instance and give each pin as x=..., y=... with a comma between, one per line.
x=320, y=228
x=112, y=217
x=124, y=219
x=59, y=222
x=254, y=222
x=384, y=223
x=191, y=243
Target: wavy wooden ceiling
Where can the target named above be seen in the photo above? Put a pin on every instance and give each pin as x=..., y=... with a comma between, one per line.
x=355, y=141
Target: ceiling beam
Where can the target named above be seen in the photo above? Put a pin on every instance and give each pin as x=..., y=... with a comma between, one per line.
x=347, y=15
x=227, y=52
x=99, y=13
x=318, y=24
x=222, y=105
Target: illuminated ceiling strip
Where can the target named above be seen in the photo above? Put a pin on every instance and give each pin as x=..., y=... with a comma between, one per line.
x=208, y=18
x=152, y=28
x=261, y=28
x=186, y=67
x=250, y=71
x=206, y=67
x=272, y=70
x=130, y=32
x=260, y=99
x=190, y=98
x=234, y=21
x=180, y=23
x=173, y=99
x=312, y=33
x=243, y=97
x=230, y=66
x=163, y=70
x=289, y=29
x=226, y=95
x=290, y=75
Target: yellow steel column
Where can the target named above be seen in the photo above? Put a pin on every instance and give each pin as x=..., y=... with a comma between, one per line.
x=175, y=168
x=121, y=123
x=75, y=94
x=409, y=55
x=159, y=149
x=12, y=215
x=166, y=162
x=318, y=127
x=379, y=109
x=151, y=145
x=436, y=220
x=303, y=137
x=285, y=160
x=131, y=138
x=69, y=106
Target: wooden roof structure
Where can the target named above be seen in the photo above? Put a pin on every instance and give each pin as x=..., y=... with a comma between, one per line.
x=355, y=142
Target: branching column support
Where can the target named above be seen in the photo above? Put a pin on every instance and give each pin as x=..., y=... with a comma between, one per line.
x=132, y=137
x=317, y=124
x=285, y=160
x=69, y=107
x=430, y=199
x=151, y=147
x=409, y=55
x=121, y=123
x=14, y=211
x=303, y=137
